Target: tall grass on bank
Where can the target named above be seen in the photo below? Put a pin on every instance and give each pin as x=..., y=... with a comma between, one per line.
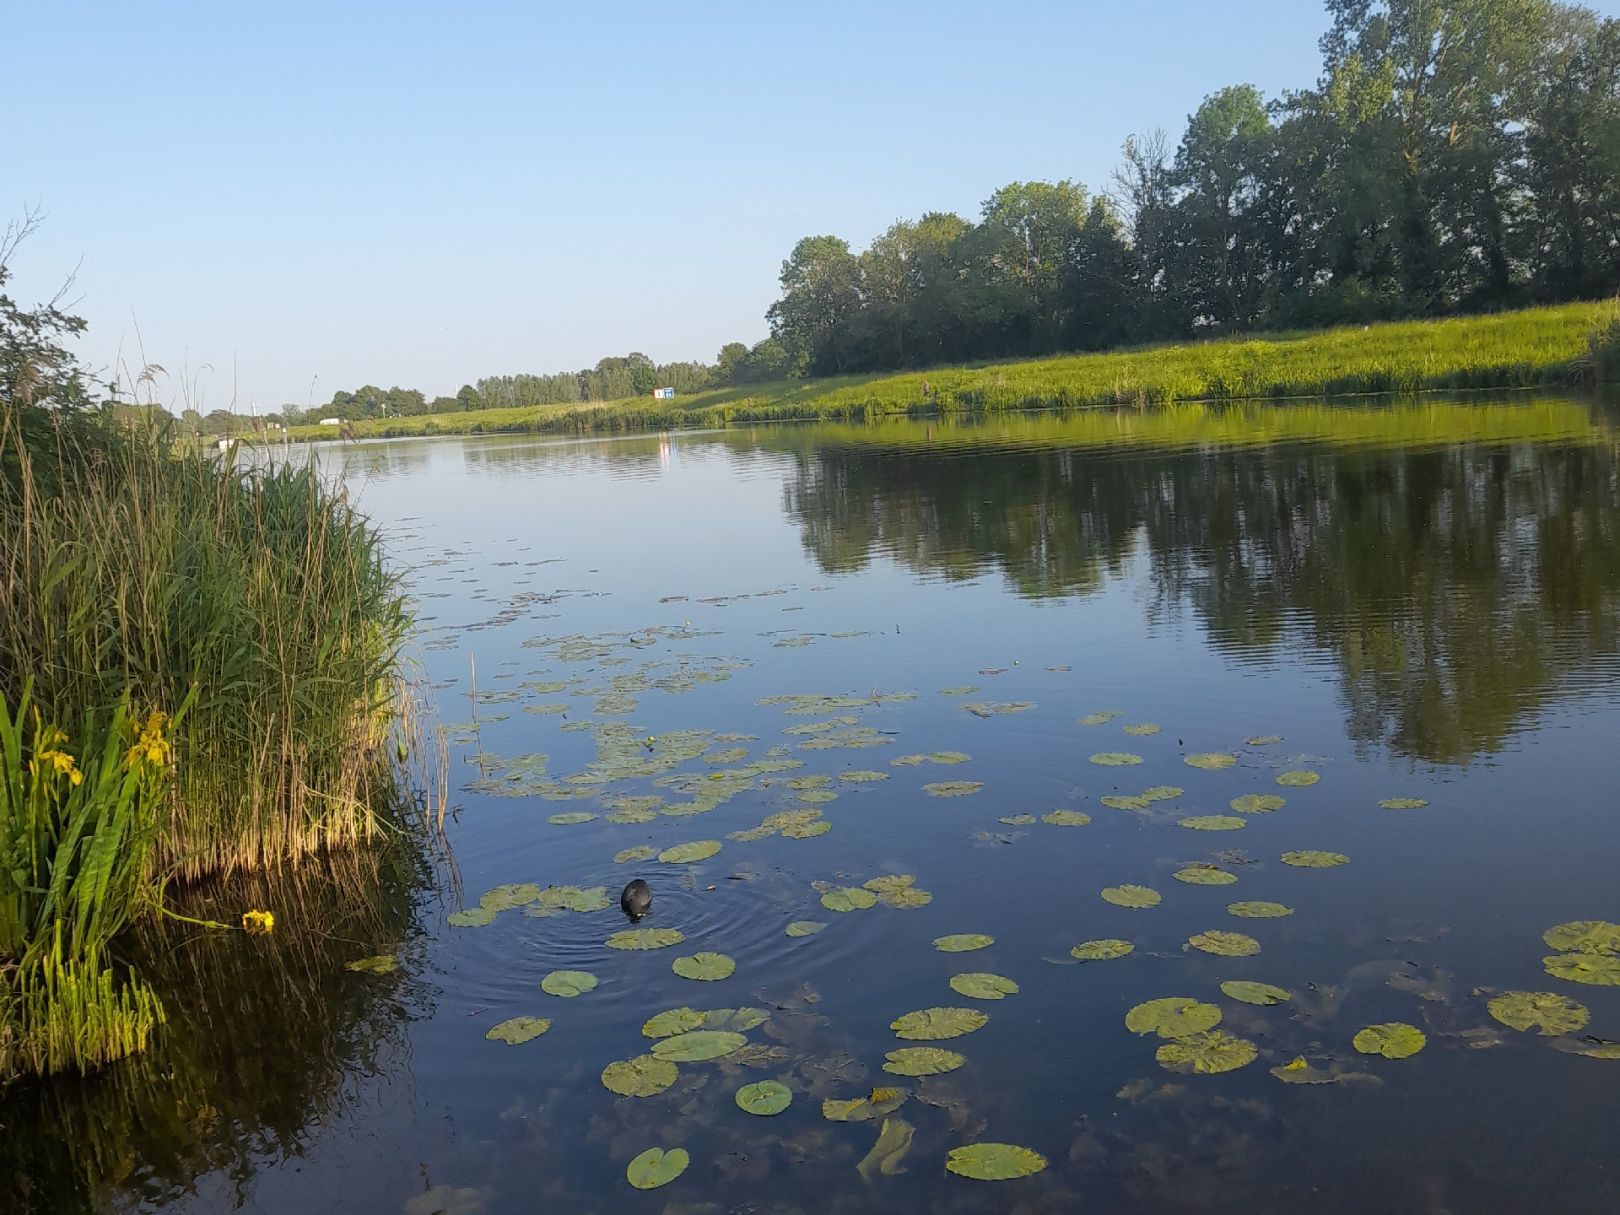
x=127, y=570
x=1534, y=347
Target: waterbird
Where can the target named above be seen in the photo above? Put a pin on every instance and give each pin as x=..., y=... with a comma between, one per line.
x=636, y=899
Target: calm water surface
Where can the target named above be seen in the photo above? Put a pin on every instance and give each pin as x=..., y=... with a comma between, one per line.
x=1431, y=615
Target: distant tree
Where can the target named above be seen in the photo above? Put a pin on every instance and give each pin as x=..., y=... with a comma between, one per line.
x=820, y=291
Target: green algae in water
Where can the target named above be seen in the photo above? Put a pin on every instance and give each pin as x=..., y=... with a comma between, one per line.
x=645, y=938
x=643, y=1076
x=1209, y=761
x=1067, y=818
x=1312, y=859
x=953, y=788
x=1207, y=1054
x=1548, y=1013
x=1225, y=944
x=1116, y=759
x=705, y=967
x=568, y=983
x=963, y=942
x=1298, y=780
x=922, y=1061
x=994, y=1162
x=517, y=1030
x=656, y=1167
x=1262, y=995
x=1172, y=1017
x=1392, y=1040
x=764, y=1098
x=1204, y=875
x=1213, y=822
x=1102, y=950
x=1259, y=911
x=804, y=928
x=1258, y=803
x=937, y=1024
x=981, y=985
x=1132, y=896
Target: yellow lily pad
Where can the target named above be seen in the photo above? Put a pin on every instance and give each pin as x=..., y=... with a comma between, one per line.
x=643, y=1076
x=922, y=1061
x=1225, y=944
x=764, y=1098
x=705, y=967
x=1172, y=1017
x=981, y=985
x=516, y=1030
x=1546, y=1012
x=1207, y=1054
x=1261, y=994
x=1102, y=950
x=963, y=942
x=936, y=1024
x=656, y=1167
x=994, y=1161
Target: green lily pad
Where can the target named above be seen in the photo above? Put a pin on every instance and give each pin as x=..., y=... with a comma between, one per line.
x=705, y=967
x=1590, y=1048
x=953, y=788
x=764, y=1098
x=1101, y=951
x=1132, y=896
x=1101, y=719
x=1596, y=969
x=1258, y=803
x=1403, y=803
x=736, y=1020
x=686, y=854
x=472, y=917
x=645, y=938
x=817, y=797
x=1298, y=779
x=381, y=964
x=1204, y=875
x=656, y=1167
x=1259, y=911
x=1207, y=1054
x=644, y=852
x=1142, y=729
x=1393, y=1040
x=673, y=1021
x=1546, y=1012
x=1114, y=802
x=593, y=899
x=1213, y=822
x=806, y=831
x=512, y=894
x=981, y=985
x=863, y=778
x=568, y=983
x=1066, y=818
x=1163, y=793
x=1172, y=1017
x=880, y=1102
x=1584, y=936
x=517, y=1030
x=1263, y=740
x=848, y=898
x=1116, y=759
x=804, y=928
x=994, y=1161
x=1225, y=944
x=1018, y=820
x=1311, y=859
x=643, y=1076
x=699, y=1045
x=889, y=883
x=922, y=1061
x=907, y=761
x=937, y=1024
x=963, y=942
x=1262, y=994
x=1209, y=761
x=570, y=818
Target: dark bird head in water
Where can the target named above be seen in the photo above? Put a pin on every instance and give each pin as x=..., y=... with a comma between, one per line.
x=636, y=899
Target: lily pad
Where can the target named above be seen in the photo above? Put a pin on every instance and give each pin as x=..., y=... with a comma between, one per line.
x=922, y=1061
x=1132, y=896
x=1213, y=822
x=994, y=1161
x=804, y=928
x=1225, y=944
x=1312, y=859
x=1101, y=719
x=512, y=894
x=472, y=917
x=1018, y=820
x=963, y=942
x=806, y=831
x=686, y=854
x=765, y=1098
x=644, y=852
x=981, y=985
x=1393, y=1040
x=1298, y=779
x=1142, y=729
x=1403, y=803
x=1209, y=761
x=893, y=1142
x=1596, y=969
x=1207, y=1054
x=645, y=938
x=880, y=1102
x=705, y=967
x=1101, y=951
x=1116, y=759
x=1172, y=1017
x=673, y=1021
x=1584, y=936
x=953, y=788
x=1163, y=793
x=1114, y=802
x=516, y=1030
x=1066, y=818
x=656, y=1167
x=863, y=778
x=1204, y=875
x=1546, y=1012
x=1263, y=740
x=643, y=1076
x=1258, y=803
x=848, y=898
x=1262, y=994
x=568, y=983
x=1259, y=911
x=699, y=1045
x=570, y=818
x=737, y=1020
x=381, y=964
x=937, y=1024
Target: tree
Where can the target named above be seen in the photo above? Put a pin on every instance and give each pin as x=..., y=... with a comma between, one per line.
x=820, y=292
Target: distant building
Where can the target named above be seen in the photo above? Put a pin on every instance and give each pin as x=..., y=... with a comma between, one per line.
x=331, y=421
x=663, y=394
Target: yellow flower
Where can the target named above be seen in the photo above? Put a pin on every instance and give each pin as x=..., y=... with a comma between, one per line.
x=258, y=922
x=61, y=761
x=151, y=747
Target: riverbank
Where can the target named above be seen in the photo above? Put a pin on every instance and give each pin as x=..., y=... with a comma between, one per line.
x=1536, y=347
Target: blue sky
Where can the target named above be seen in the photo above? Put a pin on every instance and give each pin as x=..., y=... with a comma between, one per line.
x=423, y=193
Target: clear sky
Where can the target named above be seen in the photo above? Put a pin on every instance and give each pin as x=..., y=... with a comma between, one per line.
x=413, y=193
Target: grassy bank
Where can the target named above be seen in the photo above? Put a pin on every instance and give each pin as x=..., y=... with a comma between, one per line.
x=1530, y=348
